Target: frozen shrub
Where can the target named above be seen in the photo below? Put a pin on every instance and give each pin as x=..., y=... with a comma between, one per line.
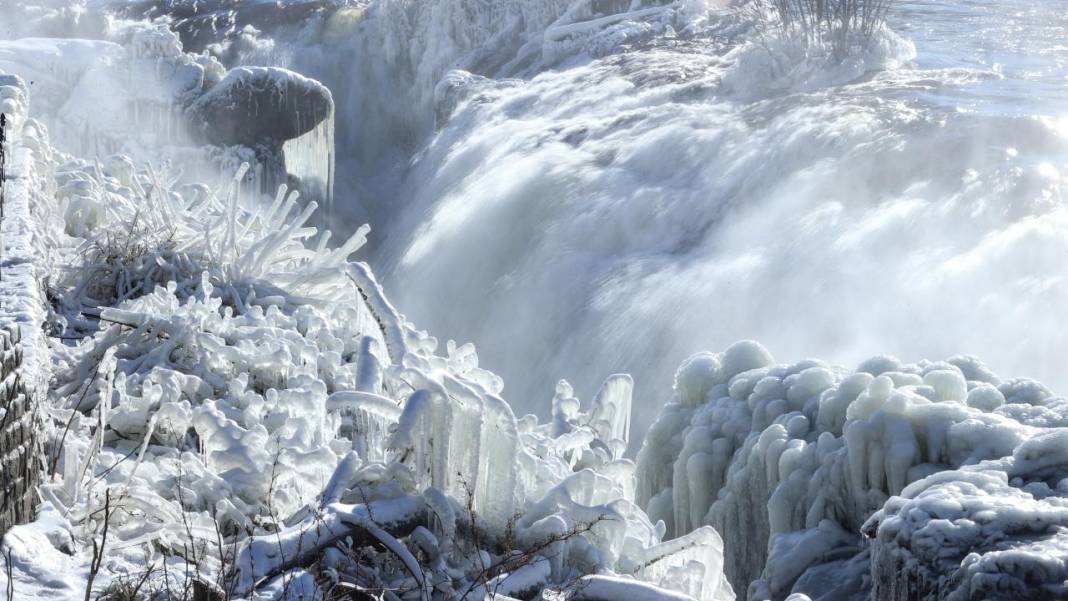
x=841, y=26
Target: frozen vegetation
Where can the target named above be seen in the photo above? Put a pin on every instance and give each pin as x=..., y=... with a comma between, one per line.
x=237, y=407
x=234, y=408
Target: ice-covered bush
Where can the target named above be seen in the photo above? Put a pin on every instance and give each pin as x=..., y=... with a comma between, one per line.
x=240, y=403
x=842, y=26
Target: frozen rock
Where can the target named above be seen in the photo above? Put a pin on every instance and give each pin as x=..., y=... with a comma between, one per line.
x=257, y=105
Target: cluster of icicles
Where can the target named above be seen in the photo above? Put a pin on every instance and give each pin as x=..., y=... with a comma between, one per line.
x=234, y=394
x=934, y=480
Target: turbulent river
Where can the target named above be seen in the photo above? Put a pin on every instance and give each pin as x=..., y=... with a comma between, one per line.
x=582, y=200
x=619, y=213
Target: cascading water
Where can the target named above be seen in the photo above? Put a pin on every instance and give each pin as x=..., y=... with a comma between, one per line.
x=657, y=184
x=580, y=187
x=661, y=185
x=623, y=213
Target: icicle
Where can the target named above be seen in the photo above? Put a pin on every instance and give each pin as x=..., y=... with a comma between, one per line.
x=311, y=159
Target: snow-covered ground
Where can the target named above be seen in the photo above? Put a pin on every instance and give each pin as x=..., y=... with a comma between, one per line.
x=235, y=406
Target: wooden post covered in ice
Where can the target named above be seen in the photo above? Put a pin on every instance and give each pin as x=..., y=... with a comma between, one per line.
x=3, y=179
x=20, y=451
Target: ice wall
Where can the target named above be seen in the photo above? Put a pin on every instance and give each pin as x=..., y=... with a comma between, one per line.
x=807, y=471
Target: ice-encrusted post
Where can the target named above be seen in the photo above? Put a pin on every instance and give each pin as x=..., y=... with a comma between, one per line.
x=3, y=174
x=20, y=457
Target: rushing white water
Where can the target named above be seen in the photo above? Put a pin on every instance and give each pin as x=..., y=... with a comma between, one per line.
x=622, y=213
x=614, y=202
x=583, y=188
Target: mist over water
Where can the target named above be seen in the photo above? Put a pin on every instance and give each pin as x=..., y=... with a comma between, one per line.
x=617, y=214
x=623, y=213
x=577, y=211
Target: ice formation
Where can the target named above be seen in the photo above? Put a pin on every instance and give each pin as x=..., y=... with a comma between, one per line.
x=237, y=405
x=138, y=92
x=934, y=480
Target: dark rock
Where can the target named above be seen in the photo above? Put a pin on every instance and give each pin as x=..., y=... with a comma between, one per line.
x=260, y=106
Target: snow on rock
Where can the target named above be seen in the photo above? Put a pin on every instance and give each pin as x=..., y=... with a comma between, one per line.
x=934, y=480
x=253, y=105
x=995, y=529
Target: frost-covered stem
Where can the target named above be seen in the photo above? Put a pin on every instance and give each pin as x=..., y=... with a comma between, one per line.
x=389, y=321
x=512, y=562
x=274, y=519
x=98, y=550
x=402, y=516
x=5, y=550
x=70, y=421
x=185, y=520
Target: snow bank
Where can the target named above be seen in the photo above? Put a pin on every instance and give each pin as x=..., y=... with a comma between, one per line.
x=948, y=476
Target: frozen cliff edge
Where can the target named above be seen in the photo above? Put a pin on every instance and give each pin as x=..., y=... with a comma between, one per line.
x=933, y=480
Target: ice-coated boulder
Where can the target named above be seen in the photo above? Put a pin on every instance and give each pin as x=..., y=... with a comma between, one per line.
x=257, y=105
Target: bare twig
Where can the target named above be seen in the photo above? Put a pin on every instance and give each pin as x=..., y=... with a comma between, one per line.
x=98, y=550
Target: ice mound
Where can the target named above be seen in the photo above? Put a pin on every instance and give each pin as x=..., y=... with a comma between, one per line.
x=100, y=95
x=934, y=480
x=140, y=93
x=992, y=530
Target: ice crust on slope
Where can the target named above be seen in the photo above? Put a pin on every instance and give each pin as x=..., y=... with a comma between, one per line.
x=228, y=372
x=934, y=480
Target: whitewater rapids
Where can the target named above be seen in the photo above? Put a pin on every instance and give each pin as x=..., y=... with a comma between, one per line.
x=581, y=199
x=619, y=212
